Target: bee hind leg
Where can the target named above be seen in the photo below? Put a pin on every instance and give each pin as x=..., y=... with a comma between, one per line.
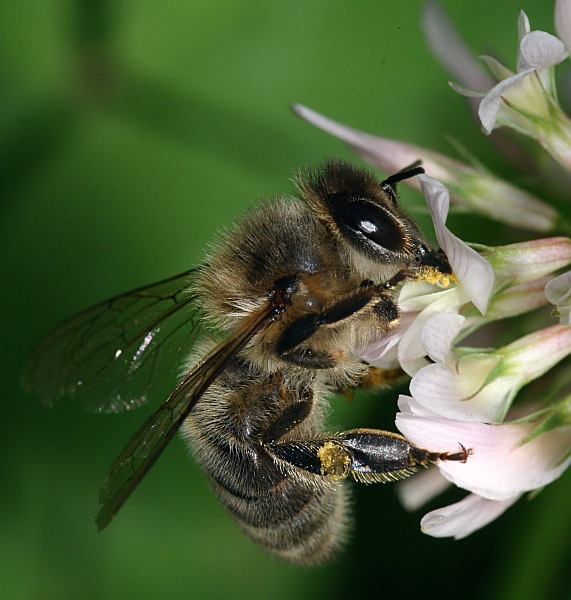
x=367, y=455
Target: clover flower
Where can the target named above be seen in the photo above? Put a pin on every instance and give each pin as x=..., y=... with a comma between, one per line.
x=473, y=188
x=479, y=385
x=420, y=300
x=500, y=282
x=460, y=392
x=465, y=396
x=508, y=460
x=524, y=99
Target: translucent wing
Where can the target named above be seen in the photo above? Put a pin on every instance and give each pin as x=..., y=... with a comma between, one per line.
x=143, y=449
x=119, y=353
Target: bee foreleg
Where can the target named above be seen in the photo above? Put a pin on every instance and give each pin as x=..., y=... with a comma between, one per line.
x=303, y=328
x=288, y=345
x=367, y=455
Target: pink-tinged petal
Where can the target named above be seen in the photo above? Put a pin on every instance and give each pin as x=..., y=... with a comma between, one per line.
x=558, y=292
x=463, y=518
x=492, y=101
x=523, y=26
x=416, y=491
x=540, y=49
x=418, y=302
x=502, y=201
x=513, y=301
x=388, y=155
x=467, y=392
x=410, y=406
x=449, y=48
x=411, y=352
x=473, y=272
x=417, y=295
x=563, y=21
x=492, y=402
x=410, y=347
x=527, y=261
x=533, y=355
x=500, y=466
x=459, y=394
x=438, y=336
x=475, y=189
x=463, y=91
x=383, y=353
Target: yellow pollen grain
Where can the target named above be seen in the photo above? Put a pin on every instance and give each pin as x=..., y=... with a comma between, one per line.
x=434, y=276
x=334, y=462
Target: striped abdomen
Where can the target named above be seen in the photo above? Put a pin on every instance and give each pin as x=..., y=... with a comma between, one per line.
x=297, y=515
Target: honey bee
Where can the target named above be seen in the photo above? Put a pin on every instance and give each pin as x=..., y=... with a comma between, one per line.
x=264, y=329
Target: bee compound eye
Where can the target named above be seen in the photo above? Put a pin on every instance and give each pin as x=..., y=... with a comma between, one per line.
x=367, y=221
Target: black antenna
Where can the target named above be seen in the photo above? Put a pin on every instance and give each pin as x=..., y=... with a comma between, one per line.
x=406, y=173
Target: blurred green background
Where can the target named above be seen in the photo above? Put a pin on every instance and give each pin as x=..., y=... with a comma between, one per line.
x=130, y=133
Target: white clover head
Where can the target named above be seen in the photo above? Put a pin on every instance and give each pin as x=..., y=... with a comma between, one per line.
x=506, y=461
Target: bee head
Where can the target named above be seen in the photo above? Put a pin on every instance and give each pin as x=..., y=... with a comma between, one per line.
x=363, y=215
